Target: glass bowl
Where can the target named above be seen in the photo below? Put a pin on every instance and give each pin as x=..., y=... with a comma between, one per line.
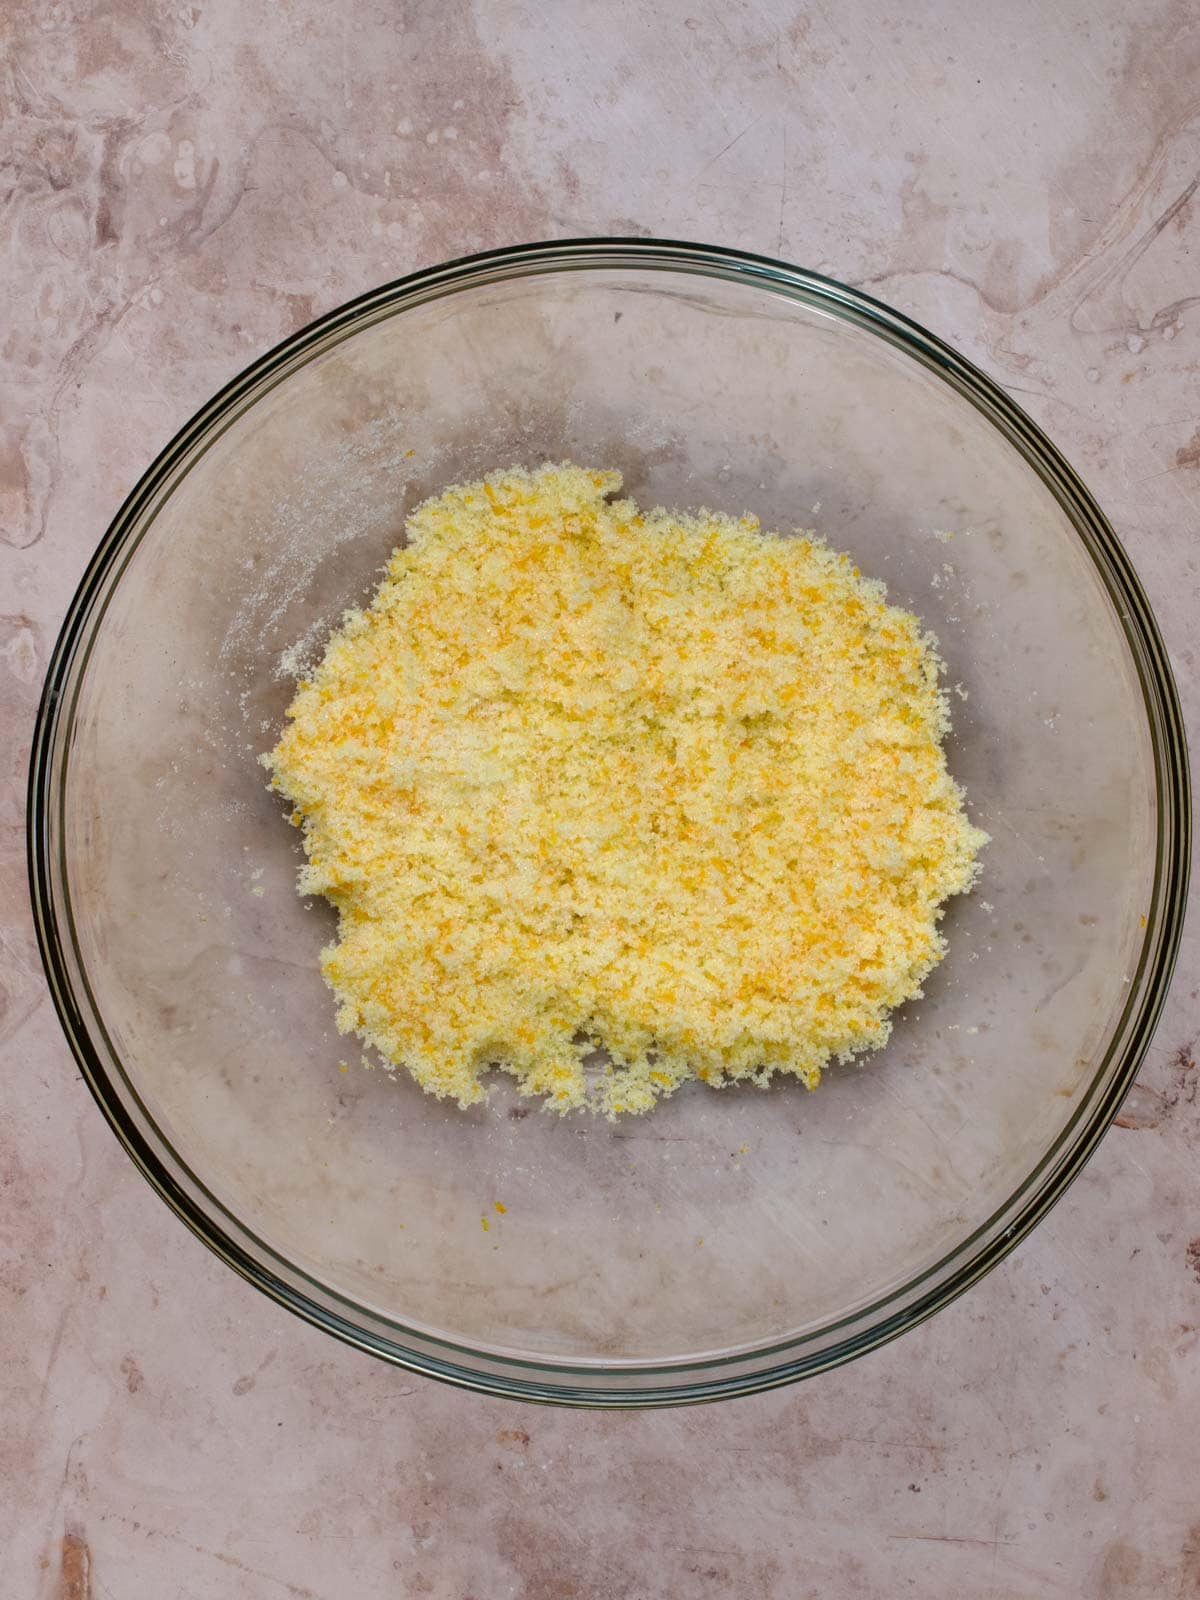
x=732, y=1240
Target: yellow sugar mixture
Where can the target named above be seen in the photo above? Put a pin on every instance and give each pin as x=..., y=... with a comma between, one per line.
x=585, y=779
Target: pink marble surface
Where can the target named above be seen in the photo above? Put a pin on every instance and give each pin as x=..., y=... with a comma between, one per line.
x=185, y=183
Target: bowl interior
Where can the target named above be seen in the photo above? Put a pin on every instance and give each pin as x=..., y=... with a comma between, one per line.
x=724, y=1221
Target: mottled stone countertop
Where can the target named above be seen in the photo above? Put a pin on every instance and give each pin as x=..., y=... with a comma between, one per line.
x=186, y=181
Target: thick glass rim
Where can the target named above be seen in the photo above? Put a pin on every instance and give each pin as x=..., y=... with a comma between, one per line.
x=606, y=1383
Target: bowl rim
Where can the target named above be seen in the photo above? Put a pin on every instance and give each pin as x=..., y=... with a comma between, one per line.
x=609, y=1383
